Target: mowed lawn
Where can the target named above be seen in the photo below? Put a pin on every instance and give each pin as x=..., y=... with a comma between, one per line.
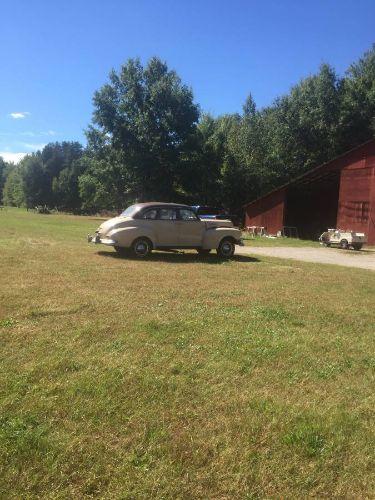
x=263, y=241
x=178, y=376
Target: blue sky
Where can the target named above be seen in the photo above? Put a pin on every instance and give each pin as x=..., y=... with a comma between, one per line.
x=55, y=54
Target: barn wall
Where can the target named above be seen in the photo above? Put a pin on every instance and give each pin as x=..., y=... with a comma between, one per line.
x=267, y=212
x=356, y=208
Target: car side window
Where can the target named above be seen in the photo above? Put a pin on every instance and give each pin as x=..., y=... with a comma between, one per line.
x=150, y=214
x=186, y=214
x=167, y=214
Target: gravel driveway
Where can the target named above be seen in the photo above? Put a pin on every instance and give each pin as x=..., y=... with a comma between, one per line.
x=364, y=259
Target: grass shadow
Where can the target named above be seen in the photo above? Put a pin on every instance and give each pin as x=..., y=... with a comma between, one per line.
x=183, y=258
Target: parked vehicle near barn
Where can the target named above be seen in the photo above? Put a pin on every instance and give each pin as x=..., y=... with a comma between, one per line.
x=144, y=227
x=208, y=212
x=343, y=239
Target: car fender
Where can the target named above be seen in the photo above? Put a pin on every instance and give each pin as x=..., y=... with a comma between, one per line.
x=214, y=235
x=124, y=236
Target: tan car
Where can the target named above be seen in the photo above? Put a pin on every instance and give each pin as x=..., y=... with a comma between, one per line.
x=144, y=227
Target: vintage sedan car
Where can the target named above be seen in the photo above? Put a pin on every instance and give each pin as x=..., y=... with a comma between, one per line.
x=144, y=227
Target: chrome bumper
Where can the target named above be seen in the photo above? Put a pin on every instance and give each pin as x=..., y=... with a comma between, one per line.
x=97, y=239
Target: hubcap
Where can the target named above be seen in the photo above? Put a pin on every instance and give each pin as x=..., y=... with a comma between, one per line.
x=141, y=248
x=226, y=248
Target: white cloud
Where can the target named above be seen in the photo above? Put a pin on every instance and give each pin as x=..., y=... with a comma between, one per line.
x=12, y=157
x=29, y=133
x=19, y=115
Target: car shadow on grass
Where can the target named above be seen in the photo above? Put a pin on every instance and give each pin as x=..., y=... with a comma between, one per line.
x=182, y=257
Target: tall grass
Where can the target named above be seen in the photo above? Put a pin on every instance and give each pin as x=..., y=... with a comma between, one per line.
x=179, y=377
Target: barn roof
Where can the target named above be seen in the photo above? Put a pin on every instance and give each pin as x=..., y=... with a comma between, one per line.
x=326, y=169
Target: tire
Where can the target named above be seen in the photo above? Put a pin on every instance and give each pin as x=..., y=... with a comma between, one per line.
x=344, y=244
x=357, y=246
x=203, y=251
x=226, y=248
x=141, y=248
x=122, y=252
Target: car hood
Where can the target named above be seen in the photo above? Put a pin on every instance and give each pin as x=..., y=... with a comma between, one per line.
x=217, y=223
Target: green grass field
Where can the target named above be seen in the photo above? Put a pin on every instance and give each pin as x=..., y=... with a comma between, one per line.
x=179, y=377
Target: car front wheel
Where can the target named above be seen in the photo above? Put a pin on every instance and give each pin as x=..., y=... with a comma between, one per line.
x=344, y=244
x=141, y=248
x=226, y=248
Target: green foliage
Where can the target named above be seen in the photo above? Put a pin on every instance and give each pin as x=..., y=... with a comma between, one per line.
x=148, y=118
x=34, y=180
x=48, y=177
x=13, y=194
x=148, y=141
x=357, y=118
x=105, y=183
x=203, y=178
x=61, y=188
x=65, y=186
x=7, y=323
x=322, y=117
x=3, y=174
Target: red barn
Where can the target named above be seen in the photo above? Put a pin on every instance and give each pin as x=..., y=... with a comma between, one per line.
x=337, y=194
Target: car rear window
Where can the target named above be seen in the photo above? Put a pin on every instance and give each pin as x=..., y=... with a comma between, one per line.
x=167, y=214
x=150, y=214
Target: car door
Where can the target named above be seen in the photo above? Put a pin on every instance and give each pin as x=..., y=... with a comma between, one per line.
x=166, y=228
x=191, y=228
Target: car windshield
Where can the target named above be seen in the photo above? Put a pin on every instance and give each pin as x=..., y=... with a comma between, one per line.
x=130, y=211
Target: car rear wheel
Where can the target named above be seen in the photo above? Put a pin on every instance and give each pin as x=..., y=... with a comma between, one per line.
x=141, y=248
x=357, y=246
x=344, y=244
x=226, y=248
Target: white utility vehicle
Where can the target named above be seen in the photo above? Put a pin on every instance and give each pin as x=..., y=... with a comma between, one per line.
x=343, y=239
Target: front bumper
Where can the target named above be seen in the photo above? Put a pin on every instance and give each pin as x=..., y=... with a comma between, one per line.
x=97, y=239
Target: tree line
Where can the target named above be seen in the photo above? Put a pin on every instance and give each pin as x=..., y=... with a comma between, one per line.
x=149, y=140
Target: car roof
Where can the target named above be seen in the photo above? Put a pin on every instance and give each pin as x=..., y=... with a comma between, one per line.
x=161, y=204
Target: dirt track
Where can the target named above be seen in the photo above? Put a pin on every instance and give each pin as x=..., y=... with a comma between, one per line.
x=364, y=259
